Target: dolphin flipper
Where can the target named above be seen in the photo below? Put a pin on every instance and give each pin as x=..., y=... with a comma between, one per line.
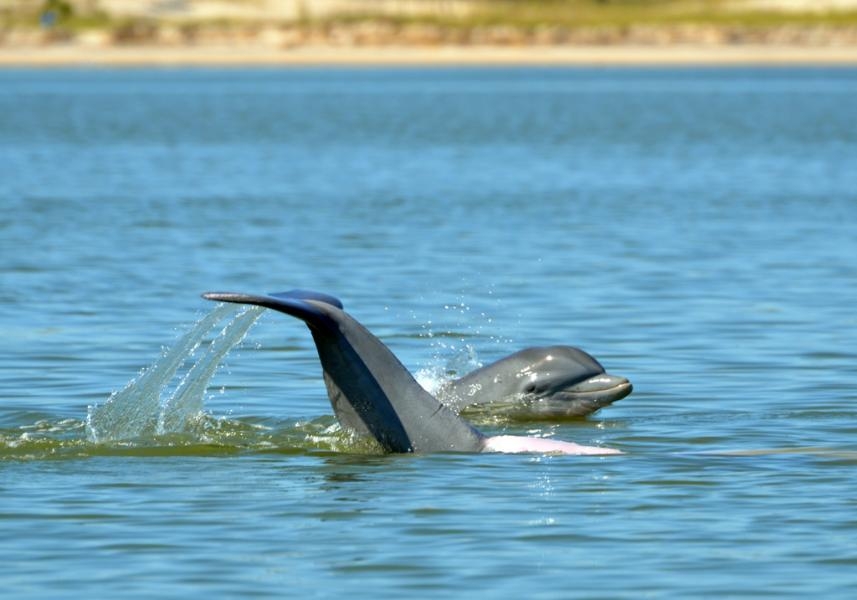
x=369, y=389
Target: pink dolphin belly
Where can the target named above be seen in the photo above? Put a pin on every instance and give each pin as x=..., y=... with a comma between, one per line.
x=515, y=444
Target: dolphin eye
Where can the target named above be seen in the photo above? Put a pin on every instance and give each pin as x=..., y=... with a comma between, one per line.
x=531, y=388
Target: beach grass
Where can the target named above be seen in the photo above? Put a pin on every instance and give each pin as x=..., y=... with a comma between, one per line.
x=623, y=13
x=519, y=14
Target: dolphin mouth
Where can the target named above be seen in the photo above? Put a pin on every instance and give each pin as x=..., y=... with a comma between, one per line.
x=601, y=389
x=603, y=386
x=583, y=398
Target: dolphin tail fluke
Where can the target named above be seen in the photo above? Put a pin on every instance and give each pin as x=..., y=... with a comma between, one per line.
x=310, y=295
x=370, y=391
x=292, y=303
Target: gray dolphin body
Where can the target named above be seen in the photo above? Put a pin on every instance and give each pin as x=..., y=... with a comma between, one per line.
x=541, y=382
x=373, y=394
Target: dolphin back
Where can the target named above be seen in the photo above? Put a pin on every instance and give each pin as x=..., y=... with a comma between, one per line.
x=370, y=390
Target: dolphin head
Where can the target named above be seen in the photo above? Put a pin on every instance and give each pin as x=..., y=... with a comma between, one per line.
x=545, y=382
x=557, y=381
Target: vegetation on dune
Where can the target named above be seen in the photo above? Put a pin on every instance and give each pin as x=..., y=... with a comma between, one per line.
x=652, y=12
x=71, y=17
x=608, y=13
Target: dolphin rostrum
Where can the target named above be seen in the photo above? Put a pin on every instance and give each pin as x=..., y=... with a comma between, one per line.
x=373, y=394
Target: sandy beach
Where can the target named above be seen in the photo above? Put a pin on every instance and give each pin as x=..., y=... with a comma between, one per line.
x=76, y=55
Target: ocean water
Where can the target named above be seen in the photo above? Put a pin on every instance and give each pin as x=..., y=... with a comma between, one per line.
x=694, y=229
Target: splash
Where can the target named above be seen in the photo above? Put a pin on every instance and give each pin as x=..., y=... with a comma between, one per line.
x=145, y=406
x=161, y=411
x=453, y=351
x=449, y=361
x=187, y=400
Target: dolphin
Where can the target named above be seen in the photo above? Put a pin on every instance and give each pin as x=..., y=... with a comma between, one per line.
x=543, y=382
x=372, y=393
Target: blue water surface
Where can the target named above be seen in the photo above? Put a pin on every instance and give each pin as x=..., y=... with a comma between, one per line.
x=694, y=229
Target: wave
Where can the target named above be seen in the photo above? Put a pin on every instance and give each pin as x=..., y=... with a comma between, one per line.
x=202, y=435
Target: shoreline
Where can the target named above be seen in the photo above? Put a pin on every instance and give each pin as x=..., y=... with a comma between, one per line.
x=415, y=56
